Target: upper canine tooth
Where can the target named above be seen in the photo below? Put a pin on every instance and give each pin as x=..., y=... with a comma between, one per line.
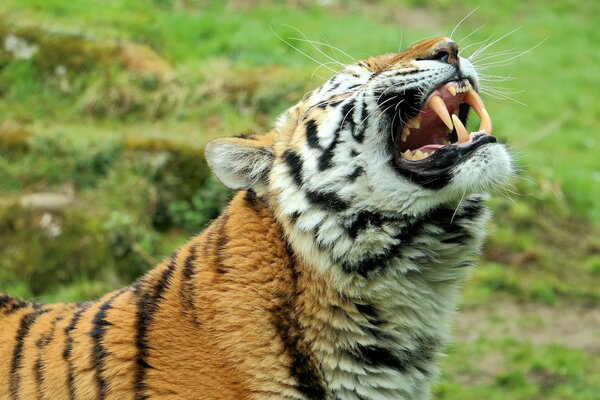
x=452, y=90
x=461, y=131
x=437, y=105
x=485, y=122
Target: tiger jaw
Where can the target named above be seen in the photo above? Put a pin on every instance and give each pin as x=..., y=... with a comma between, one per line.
x=438, y=124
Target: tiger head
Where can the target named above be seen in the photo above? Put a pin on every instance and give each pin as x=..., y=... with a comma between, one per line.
x=382, y=140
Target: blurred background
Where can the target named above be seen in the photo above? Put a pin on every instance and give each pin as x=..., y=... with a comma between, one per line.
x=105, y=107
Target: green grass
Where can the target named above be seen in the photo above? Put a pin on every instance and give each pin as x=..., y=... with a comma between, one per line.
x=212, y=69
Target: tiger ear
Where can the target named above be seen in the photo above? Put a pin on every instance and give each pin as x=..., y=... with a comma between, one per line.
x=242, y=163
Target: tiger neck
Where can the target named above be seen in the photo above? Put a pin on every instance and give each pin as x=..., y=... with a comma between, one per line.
x=376, y=324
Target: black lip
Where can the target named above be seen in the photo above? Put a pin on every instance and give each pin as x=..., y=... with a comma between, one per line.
x=435, y=171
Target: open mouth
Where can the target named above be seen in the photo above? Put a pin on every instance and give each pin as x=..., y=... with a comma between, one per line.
x=440, y=125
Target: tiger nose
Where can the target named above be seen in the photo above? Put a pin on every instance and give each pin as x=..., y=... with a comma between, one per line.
x=446, y=51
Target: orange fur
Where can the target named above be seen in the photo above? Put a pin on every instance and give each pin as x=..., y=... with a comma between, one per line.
x=211, y=335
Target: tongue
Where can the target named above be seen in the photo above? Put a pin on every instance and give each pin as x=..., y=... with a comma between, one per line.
x=430, y=147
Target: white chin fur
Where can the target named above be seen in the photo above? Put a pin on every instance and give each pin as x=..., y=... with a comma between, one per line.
x=488, y=167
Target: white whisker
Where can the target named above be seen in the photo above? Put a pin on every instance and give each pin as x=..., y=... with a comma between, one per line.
x=487, y=46
x=469, y=35
x=461, y=21
x=301, y=52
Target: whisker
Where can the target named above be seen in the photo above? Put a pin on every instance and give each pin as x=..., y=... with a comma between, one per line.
x=314, y=43
x=301, y=52
x=469, y=35
x=392, y=128
x=346, y=116
x=462, y=20
x=523, y=53
x=487, y=46
x=477, y=43
x=375, y=109
x=331, y=99
x=458, y=206
x=401, y=37
x=314, y=73
x=501, y=96
x=306, y=39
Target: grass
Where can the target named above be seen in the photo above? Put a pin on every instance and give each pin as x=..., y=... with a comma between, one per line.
x=122, y=89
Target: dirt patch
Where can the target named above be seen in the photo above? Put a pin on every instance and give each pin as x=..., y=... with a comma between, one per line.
x=573, y=326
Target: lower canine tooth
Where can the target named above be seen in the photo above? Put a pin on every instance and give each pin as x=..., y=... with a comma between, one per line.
x=461, y=131
x=452, y=90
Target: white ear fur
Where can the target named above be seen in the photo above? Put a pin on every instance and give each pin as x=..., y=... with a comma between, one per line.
x=240, y=163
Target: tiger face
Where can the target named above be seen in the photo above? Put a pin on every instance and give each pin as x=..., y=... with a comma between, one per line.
x=379, y=144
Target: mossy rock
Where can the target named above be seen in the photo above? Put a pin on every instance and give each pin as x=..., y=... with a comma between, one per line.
x=47, y=249
x=52, y=49
x=125, y=95
x=14, y=138
x=76, y=53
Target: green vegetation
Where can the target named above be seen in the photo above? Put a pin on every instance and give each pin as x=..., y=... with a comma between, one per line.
x=105, y=108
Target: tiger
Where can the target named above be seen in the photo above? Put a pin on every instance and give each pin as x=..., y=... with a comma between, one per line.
x=333, y=273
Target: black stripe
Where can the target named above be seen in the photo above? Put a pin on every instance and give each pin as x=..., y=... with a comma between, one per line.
x=359, y=132
x=220, y=244
x=42, y=342
x=294, y=163
x=208, y=242
x=188, y=288
x=327, y=200
x=312, y=137
x=365, y=219
x=294, y=217
x=369, y=311
x=69, y=347
x=445, y=218
x=12, y=305
x=5, y=300
x=245, y=136
x=420, y=357
x=253, y=201
x=46, y=338
x=38, y=376
x=99, y=352
x=376, y=356
x=346, y=122
x=358, y=171
x=25, y=324
x=303, y=368
x=147, y=305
